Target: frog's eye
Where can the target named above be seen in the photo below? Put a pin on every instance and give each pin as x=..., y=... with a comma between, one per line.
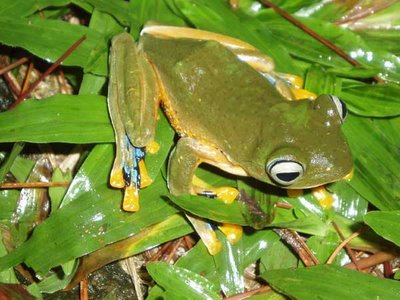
x=285, y=172
x=340, y=106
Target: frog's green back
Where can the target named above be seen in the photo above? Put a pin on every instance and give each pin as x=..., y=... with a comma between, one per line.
x=209, y=91
x=220, y=100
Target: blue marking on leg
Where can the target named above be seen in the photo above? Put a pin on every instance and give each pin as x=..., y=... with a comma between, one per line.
x=131, y=166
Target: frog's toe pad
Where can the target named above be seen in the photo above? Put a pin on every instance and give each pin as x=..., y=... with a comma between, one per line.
x=324, y=198
x=117, y=179
x=145, y=179
x=131, y=199
x=227, y=194
x=153, y=147
x=300, y=94
x=232, y=232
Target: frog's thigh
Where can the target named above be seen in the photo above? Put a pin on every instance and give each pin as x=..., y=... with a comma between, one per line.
x=133, y=89
x=184, y=160
x=244, y=51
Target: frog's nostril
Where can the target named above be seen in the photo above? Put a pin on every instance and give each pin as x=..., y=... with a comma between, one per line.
x=284, y=171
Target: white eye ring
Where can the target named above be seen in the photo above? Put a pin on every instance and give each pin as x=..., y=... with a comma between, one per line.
x=340, y=106
x=284, y=171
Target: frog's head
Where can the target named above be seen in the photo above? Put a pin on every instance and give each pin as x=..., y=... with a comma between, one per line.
x=311, y=150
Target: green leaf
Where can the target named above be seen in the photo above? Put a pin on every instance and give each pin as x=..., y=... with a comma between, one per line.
x=60, y=118
x=217, y=16
x=23, y=8
x=278, y=256
x=348, y=202
x=316, y=283
x=95, y=216
x=118, y=9
x=373, y=100
x=182, y=283
x=200, y=261
x=212, y=209
x=169, y=229
x=323, y=247
x=49, y=39
x=385, y=223
x=227, y=265
x=57, y=193
x=374, y=146
x=7, y=164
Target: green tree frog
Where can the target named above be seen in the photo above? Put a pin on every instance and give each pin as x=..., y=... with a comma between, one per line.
x=230, y=109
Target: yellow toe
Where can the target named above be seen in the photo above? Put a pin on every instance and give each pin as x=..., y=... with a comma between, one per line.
x=145, y=179
x=227, y=194
x=232, y=232
x=131, y=199
x=117, y=179
x=323, y=196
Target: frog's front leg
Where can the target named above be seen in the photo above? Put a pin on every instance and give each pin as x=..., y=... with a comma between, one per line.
x=185, y=158
x=132, y=101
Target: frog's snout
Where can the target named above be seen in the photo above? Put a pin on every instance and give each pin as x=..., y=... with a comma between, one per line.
x=285, y=172
x=338, y=105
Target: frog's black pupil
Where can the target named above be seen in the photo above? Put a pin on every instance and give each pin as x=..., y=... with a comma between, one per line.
x=344, y=109
x=288, y=177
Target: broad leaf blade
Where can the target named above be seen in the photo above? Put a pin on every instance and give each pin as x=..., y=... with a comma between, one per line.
x=49, y=39
x=386, y=224
x=182, y=283
x=315, y=283
x=60, y=118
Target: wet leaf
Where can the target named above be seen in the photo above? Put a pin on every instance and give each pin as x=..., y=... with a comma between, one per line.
x=227, y=264
x=60, y=118
x=316, y=283
x=49, y=39
x=182, y=283
x=373, y=100
x=376, y=160
x=385, y=223
x=173, y=227
x=217, y=16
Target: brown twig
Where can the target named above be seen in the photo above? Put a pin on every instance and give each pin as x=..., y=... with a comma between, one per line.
x=13, y=65
x=245, y=295
x=373, y=260
x=283, y=205
x=293, y=239
x=22, y=185
x=83, y=289
x=341, y=245
x=346, y=246
x=315, y=35
x=27, y=79
x=49, y=70
x=173, y=250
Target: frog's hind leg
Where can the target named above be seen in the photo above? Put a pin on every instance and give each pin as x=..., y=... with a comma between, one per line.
x=132, y=101
x=185, y=158
x=244, y=51
x=287, y=84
